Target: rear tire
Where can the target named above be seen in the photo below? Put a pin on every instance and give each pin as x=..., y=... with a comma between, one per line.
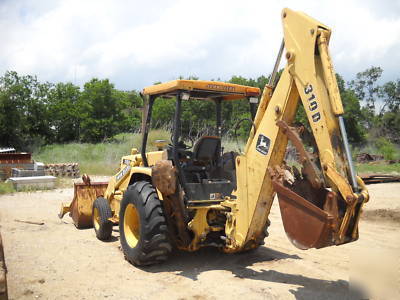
x=143, y=228
x=101, y=212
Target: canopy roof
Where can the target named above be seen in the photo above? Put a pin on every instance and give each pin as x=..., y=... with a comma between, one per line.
x=200, y=89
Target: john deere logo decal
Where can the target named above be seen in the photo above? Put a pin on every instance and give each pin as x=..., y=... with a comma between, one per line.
x=263, y=143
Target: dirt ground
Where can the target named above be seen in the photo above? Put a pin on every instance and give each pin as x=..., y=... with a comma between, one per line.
x=55, y=260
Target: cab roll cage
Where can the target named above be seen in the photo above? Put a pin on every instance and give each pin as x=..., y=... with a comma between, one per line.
x=177, y=129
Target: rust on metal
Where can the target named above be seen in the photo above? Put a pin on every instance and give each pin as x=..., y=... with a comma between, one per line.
x=86, y=179
x=309, y=170
x=176, y=218
x=15, y=158
x=80, y=208
x=164, y=177
x=8, y=161
x=309, y=215
x=306, y=225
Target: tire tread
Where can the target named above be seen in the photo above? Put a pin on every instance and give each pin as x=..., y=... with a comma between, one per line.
x=154, y=245
x=105, y=230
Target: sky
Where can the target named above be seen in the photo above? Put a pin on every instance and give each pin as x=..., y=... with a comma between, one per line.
x=137, y=43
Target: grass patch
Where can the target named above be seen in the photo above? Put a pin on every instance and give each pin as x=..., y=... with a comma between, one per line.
x=101, y=158
x=64, y=182
x=378, y=168
x=104, y=158
x=6, y=188
x=381, y=146
x=233, y=145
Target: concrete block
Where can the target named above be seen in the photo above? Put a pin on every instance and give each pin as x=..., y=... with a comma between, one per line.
x=38, y=166
x=26, y=173
x=35, y=182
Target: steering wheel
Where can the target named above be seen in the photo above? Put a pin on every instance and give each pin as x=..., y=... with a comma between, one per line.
x=181, y=143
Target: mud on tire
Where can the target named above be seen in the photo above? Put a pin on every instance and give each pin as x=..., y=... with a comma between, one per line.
x=143, y=228
x=101, y=212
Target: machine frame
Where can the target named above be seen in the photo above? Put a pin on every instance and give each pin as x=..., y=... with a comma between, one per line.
x=320, y=204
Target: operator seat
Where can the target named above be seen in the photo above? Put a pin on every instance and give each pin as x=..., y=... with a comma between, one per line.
x=207, y=149
x=206, y=175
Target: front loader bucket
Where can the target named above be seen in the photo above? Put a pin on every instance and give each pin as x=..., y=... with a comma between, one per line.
x=80, y=208
x=306, y=225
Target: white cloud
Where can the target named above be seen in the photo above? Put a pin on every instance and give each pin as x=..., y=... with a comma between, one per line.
x=135, y=43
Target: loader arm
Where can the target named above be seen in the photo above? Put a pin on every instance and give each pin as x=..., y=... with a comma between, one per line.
x=327, y=198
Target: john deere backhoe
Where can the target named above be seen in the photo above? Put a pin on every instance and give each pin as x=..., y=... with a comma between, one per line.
x=189, y=197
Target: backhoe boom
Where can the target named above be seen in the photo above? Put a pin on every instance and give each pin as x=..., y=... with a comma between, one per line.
x=309, y=80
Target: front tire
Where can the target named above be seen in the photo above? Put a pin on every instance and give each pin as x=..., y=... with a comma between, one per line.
x=101, y=212
x=143, y=228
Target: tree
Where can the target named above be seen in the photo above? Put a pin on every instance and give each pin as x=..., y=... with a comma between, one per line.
x=352, y=112
x=65, y=112
x=389, y=115
x=130, y=104
x=24, y=114
x=390, y=93
x=100, y=110
x=366, y=89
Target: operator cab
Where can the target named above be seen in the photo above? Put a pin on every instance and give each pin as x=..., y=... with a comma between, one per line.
x=205, y=172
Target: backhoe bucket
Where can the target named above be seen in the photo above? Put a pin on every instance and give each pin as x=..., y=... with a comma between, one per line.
x=80, y=208
x=306, y=225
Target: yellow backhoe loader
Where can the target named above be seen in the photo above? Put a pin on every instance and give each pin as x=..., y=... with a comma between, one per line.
x=191, y=196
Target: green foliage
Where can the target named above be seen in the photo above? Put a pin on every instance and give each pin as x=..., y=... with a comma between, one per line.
x=157, y=134
x=33, y=113
x=100, y=109
x=390, y=92
x=64, y=112
x=24, y=116
x=389, y=117
x=301, y=117
x=130, y=104
x=101, y=158
x=386, y=148
x=6, y=188
x=365, y=85
x=390, y=125
x=352, y=113
x=378, y=168
x=381, y=104
x=163, y=112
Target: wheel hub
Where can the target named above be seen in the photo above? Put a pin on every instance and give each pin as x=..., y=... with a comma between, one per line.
x=131, y=225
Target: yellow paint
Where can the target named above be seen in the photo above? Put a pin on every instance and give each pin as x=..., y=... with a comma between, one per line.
x=231, y=91
x=199, y=227
x=311, y=78
x=308, y=79
x=131, y=225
